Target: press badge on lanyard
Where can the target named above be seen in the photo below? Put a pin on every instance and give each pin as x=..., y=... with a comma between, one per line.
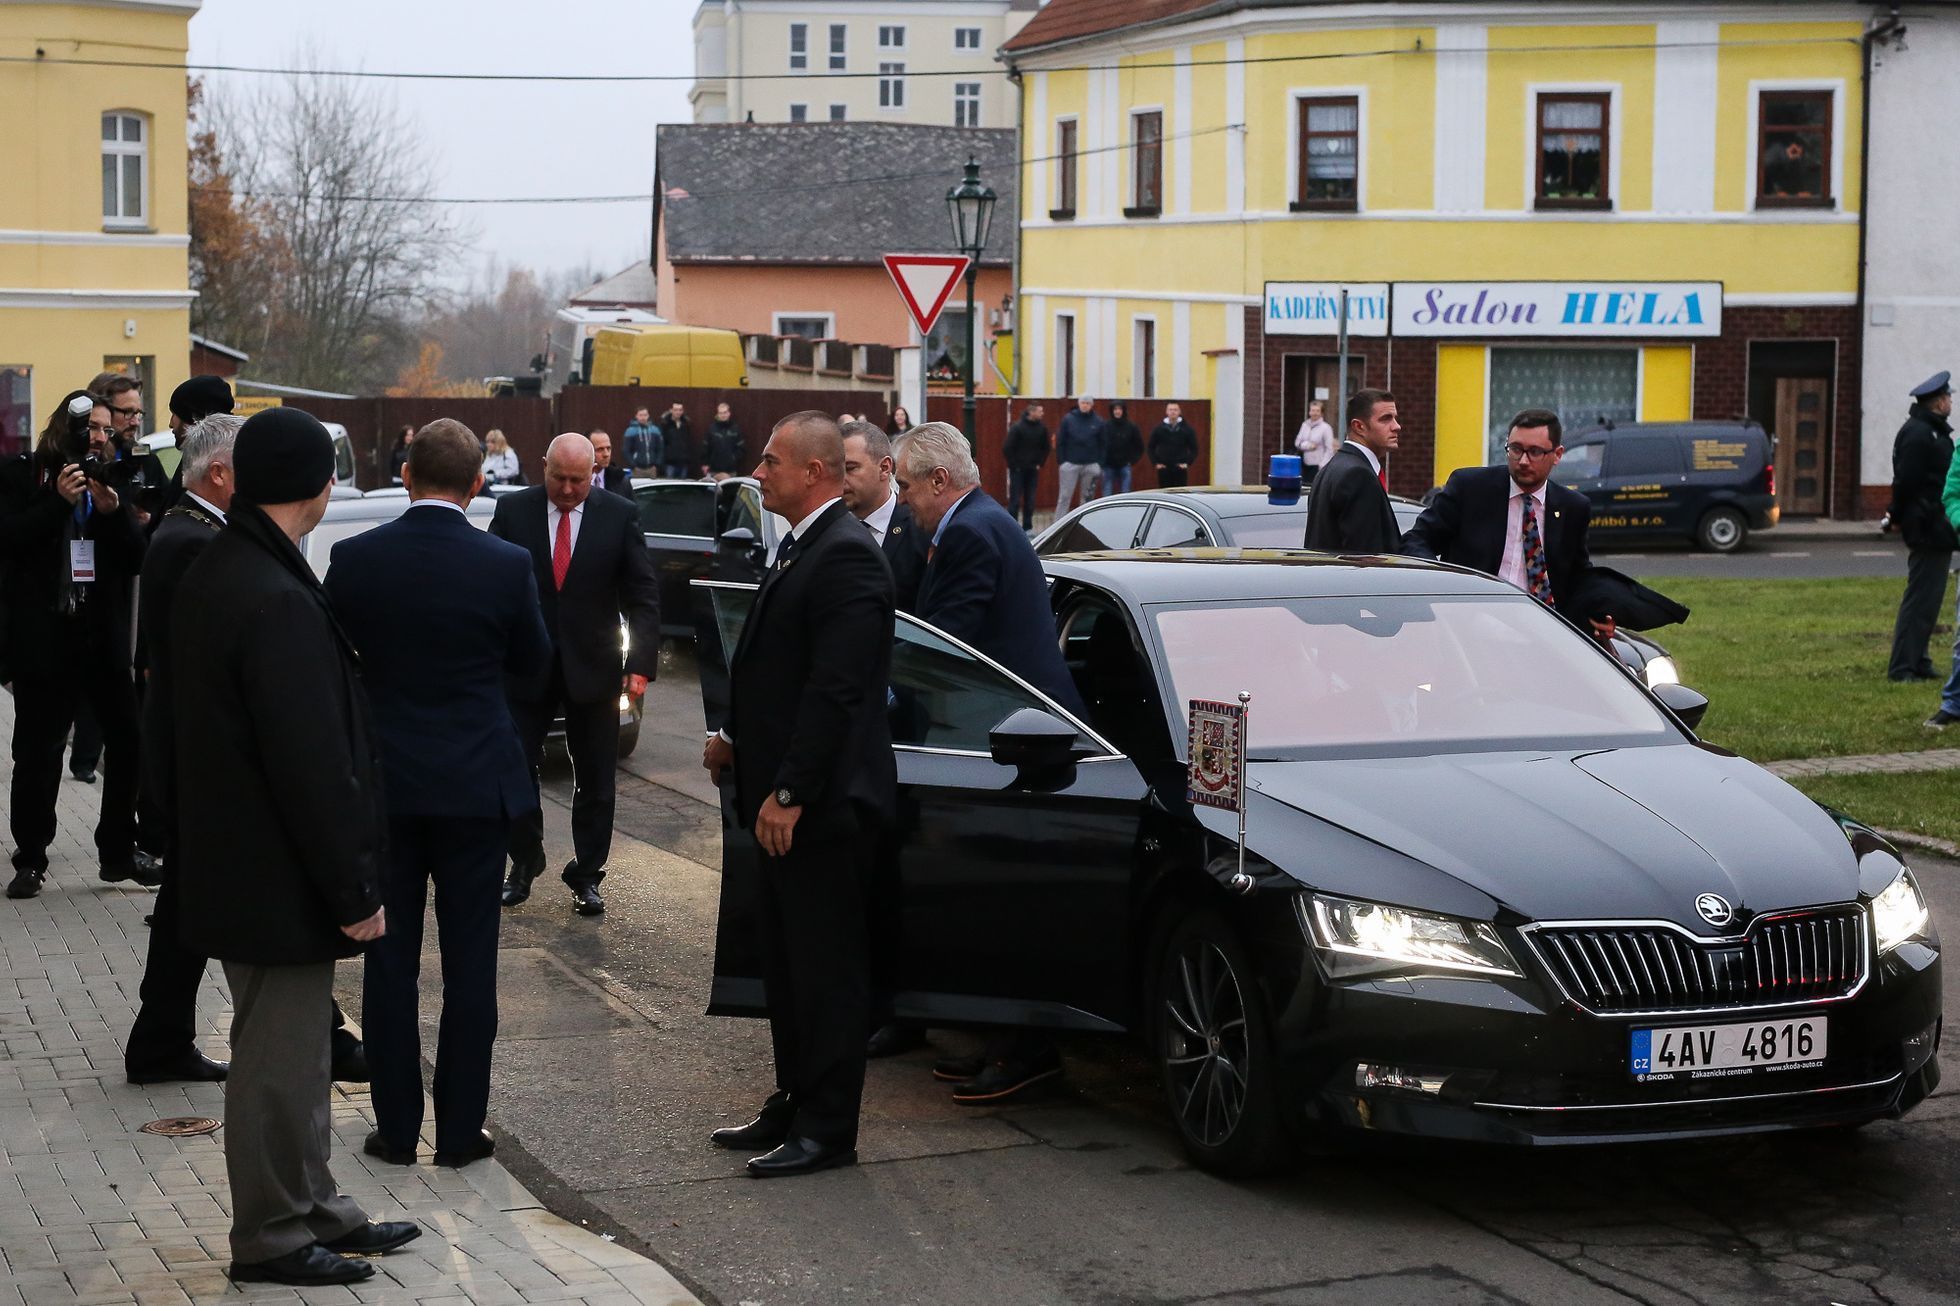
x=81, y=561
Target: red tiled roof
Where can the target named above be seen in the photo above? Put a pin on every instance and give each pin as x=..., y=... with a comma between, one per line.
x=1074, y=20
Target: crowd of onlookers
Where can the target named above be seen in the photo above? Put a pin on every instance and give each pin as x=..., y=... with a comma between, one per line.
x=1095, y=455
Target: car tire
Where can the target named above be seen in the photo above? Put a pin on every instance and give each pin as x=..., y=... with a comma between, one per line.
x=629, y=739
x=1721, y=530
x=1214, y=1045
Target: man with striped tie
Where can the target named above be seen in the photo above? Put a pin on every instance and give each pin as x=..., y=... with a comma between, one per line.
x=1514, y=521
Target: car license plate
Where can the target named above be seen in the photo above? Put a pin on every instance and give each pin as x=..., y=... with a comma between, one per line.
x=1691, y=1048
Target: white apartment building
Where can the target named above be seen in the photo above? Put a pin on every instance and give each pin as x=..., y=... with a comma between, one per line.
x=909, y=61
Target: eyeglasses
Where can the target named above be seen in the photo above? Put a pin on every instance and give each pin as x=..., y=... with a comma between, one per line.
x=101, y=428
x=125, y=412
x=1526, y=451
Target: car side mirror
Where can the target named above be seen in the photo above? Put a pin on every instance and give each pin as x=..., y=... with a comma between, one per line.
x=1687, y=704
x=1040, y=746
x=740, y=539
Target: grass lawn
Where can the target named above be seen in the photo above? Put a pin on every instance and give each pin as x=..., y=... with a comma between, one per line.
x=1920, y=802
x=1796, y=668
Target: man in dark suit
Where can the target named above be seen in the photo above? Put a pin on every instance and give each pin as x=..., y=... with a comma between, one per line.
x=1348, y=510
x=440, y=613
x=873, y=499
x=811, y=756
x=984, y=586
x=983, y=583
x=604, y=474
x=1921, y=454
x=1513, y=522
x=162, y=1045
x=279, y=846
x=593, y=571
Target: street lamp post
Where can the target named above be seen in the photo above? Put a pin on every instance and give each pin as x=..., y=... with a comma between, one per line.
x=972, y=207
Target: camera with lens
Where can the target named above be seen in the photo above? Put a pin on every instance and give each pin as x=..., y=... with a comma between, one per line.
x=111, y=471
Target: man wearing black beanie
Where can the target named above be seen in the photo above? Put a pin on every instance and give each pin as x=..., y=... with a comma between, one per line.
x=279, y=846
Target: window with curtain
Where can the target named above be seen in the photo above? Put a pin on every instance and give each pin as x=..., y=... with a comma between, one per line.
x=1583, y=386
x=1572, y=151
x=1147, y=179
x=1330, y=154
x=1793, y=149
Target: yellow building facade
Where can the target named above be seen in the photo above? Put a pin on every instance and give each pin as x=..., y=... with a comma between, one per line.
x=1635, y=211
x=94, y=269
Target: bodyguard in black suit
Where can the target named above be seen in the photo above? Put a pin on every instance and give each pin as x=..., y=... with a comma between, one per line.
x=593, y=570
x=1348, y=509
x=162, y=1045
x=811, y=758
x=441, y=613
x=873, y=499
x=607, y=476
x=1513, y=522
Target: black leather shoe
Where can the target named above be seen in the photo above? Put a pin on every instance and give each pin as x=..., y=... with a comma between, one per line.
x=193, y=1067
x=1003, y=1081
x=758, y=1135
x=484, y=1146
x=957, y=1070
x=311, y=1264
x=118, y=872
x=26, y=884
x=586, y=900
x=517, y=885
x=375, y=1238
x=801, y=1156
x=349, y=1059
x=386, y=1152
x=894, y=1038
x=86, y=777
x=148, y=863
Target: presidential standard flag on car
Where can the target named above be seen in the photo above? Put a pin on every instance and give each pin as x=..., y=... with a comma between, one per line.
x=1217, y=755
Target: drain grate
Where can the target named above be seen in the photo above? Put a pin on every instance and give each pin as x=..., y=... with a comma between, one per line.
x=182, y=1126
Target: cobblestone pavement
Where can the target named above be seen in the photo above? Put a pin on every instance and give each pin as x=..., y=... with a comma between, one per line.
x=1932, y=759
x=94, y=1211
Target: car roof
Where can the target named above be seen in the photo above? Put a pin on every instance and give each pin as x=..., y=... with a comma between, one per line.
x=1729, y=430
x=1227, y=500
x=1146, y=576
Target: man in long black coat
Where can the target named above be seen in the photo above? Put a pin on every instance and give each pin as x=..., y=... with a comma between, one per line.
x=279, y=845
x=1348, y=510
x=810, y=752
x=1921, y=453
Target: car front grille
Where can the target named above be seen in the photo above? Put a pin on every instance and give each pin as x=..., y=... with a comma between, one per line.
x=1626, y=969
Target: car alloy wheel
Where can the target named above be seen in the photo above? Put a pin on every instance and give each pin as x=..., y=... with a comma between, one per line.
x=1214, y=1045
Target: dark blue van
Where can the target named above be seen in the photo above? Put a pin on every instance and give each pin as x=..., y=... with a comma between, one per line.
x=1708, y=482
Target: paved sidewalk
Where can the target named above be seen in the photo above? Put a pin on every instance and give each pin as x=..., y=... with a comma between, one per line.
x=94, y=1211
x=1932, y=759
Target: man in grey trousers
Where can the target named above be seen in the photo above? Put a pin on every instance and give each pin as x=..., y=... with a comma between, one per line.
x=279, y=840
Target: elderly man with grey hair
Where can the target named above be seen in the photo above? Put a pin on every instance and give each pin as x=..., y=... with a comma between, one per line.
x=162, y=1045
x=984, y=585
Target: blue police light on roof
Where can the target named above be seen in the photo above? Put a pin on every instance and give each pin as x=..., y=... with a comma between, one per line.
x=1283, y=480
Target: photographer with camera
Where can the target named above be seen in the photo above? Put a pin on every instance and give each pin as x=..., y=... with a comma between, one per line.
x=71, y=551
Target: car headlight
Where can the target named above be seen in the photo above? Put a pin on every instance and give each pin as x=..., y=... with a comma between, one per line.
x=1899, y=912
x=1357, y=938
x=1661, y=671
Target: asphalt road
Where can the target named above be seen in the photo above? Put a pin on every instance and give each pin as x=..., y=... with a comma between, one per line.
x=608, y=1079
x=1769, y=555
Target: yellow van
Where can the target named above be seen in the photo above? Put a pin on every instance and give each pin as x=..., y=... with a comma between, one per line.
x=668, y=356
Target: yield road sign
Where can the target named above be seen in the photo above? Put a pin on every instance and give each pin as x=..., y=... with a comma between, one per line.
x=925, y=282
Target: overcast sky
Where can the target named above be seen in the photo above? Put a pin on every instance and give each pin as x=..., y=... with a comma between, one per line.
x=499, y=138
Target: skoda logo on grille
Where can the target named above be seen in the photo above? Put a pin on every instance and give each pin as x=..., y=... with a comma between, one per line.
x=1714, y=909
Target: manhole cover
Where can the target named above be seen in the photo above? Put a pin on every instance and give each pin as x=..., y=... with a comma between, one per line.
x=182, y=1126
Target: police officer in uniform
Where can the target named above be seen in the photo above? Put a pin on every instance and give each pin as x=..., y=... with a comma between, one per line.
x=1921, y=454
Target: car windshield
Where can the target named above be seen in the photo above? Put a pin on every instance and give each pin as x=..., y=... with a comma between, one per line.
x=1386, y=675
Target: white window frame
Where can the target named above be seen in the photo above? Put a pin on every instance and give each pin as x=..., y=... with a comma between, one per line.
x=838, y=112
x=893, y=30
x=891, y=86
x=1067, y=366
x=1835, y=85
x=799, y=113
x=829, y=320
x=1143, y=380
x=1061, y=162
x=838, y=47
x=121, y=149
x=799, y=59
x=1611, y=90
x=1136, y=156
x=961, y=98
x=1295, y=165
x=959, y=32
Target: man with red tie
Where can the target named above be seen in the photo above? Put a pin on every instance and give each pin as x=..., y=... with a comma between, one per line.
x=594, y=574
x=1514, y=522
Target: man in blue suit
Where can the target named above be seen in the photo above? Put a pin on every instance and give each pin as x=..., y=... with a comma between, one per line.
x=440, y=612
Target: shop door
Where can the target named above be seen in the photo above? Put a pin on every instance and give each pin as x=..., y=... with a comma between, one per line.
x=1802, y=428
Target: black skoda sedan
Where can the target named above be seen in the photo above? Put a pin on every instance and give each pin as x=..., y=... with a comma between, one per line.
x=1494, y=888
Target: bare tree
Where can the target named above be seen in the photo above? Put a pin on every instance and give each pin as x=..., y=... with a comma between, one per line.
x=336, y=176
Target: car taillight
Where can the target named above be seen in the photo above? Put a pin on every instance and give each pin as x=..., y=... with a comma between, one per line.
x=1769, y=478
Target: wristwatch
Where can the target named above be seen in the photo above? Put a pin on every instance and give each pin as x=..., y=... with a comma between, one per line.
x=785, y=797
